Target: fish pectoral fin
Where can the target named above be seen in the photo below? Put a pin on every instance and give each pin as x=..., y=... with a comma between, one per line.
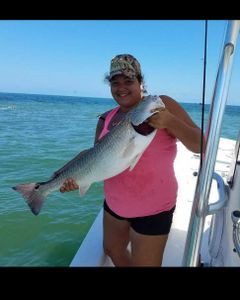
x=128, y=151
x=83, y=189
x=135, y=161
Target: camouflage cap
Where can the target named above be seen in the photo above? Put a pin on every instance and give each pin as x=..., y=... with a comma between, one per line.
x=124, y=64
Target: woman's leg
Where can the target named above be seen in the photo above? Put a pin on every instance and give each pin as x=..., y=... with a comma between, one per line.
x=147, y=250
x=116, y=239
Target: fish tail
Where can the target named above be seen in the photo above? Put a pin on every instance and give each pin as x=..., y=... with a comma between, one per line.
x=33, y=195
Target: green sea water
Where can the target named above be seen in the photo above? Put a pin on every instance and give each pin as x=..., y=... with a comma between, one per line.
x=38, y=134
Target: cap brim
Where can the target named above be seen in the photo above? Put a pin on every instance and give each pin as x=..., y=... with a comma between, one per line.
x=121, y=73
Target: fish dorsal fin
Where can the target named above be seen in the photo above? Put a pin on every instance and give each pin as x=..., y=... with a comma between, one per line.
x=68, y=164
x=135, y=161
x=83, y=189
x=62, y=169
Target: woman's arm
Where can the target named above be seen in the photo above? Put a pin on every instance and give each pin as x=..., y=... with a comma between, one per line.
x=178, y=123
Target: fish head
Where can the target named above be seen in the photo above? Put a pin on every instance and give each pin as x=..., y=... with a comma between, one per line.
x=143, y=110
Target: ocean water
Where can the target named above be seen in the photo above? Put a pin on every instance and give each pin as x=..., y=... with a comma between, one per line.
x=38, y=134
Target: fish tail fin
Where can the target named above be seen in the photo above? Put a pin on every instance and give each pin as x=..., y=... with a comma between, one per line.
x=33, y=195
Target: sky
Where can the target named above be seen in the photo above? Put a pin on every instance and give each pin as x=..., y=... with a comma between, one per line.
x=71, y=57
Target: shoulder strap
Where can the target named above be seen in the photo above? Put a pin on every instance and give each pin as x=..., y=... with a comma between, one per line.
x=107, y=120
x=110, y=115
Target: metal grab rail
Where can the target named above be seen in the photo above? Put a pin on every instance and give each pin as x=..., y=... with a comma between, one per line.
x=223, y=195
x=235, y=160
x=200, y=203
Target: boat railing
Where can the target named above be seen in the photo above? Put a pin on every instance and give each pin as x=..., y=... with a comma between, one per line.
x=235, y=160
x=212, y=208
x=200, y=206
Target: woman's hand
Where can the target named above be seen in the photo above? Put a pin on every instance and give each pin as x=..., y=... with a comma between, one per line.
x=161, y=119
x=69, y=185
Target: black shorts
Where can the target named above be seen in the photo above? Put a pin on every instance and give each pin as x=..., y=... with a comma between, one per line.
x=150, y=225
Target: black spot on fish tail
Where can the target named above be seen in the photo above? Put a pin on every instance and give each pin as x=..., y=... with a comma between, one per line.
x=33, y=196
x=37, y=186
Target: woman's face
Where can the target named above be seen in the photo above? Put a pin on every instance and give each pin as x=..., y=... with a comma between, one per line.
x=127, y=92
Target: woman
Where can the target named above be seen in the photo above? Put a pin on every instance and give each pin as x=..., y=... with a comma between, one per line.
x=139, y=204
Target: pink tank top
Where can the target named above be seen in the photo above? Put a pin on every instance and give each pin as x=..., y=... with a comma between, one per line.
x=151, y=187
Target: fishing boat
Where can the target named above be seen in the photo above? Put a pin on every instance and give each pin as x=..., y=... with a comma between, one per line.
x=206, y=223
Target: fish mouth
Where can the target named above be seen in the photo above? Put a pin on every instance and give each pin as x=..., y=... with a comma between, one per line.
x=143, y=128
x=145, y=109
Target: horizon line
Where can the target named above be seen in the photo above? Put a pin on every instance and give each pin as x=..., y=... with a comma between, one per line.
x=58, y=95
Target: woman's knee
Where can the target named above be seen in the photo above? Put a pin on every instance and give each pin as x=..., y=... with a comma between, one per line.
x=120, y=256
x=114, y=251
